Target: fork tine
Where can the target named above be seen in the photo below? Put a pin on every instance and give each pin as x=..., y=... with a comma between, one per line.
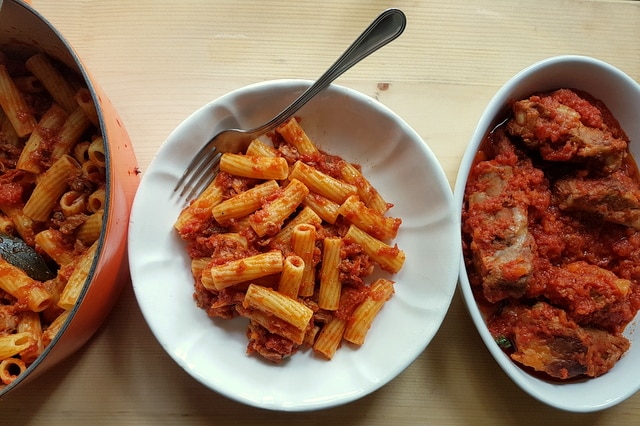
x=206, y=175
x=196, y=169
x=195, y=163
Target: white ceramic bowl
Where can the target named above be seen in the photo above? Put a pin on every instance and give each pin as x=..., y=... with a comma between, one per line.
x=395, y=159
x=622, y=95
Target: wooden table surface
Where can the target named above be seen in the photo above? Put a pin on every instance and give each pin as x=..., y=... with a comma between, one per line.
x=159, y=60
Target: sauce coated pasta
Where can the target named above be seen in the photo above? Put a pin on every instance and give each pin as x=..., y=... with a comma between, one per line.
x=286, y=237
x=52, y=182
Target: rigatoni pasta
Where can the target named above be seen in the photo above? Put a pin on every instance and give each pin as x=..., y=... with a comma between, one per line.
x=72, y=130
x=18, y=284
x=330, y=285
x=285, y=250
x=293, y=268
x=50, y=187
x=246, y=269
x=8, y=131
x=50, y=122
x=53, y=80
x=244, y=203
x=274, y=212
x=328, y=341
x=360, y=322
x=254, y=166
x=10, y=369
x=52, y=196
x=303, y=244
x=14, y=105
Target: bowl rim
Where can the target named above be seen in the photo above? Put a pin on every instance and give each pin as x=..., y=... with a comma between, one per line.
x=521, y=84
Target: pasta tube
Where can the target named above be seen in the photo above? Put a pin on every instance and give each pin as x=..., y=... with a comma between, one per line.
x=330, y=286
x=81, y=152
x=30, y=323
x=324, y=207
x=369, y=220
x=244, y=203
x=18, y=284
x=73, y=202
x=70, y=133
x=321, y=183
x=201, y=271
x=22, y=223
x=270, y=301
x=269, y=219
x=254, y=167
x=90, y=230
x=246, y=269
x=50, y=123
x=329, y=338
x=297, y=137
x=90, y=169
x=389, y=258
x=200, y=209
x=50, y=242
x=96, y=152
x=13, y=344
x=261, y=149
x=96, y=200
x=6, y=225
x=28, y=84
x=367, y=192
x=54, y=328
x=291, y=276
x=14, y=105
x=84, y=101
x=306, y=216
x=8, y=131
x=361, y=319
x=10, y=369
x=50, y=187
x=78, y=277
x=54, y=82
x=303, y=244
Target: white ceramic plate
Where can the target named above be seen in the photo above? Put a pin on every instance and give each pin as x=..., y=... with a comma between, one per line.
x=403, y=168
x=621, y=94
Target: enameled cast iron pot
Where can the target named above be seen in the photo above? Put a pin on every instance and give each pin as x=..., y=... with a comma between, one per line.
x=21, y=24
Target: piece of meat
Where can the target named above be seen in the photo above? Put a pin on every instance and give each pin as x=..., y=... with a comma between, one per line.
x=582, y=288
x=268, y=345
x=613, y=198
x=503, y=249
x=545, y=339
x=559, y=133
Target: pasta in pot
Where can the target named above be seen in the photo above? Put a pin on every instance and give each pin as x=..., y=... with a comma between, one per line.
x=49, y=197
x=276, y=239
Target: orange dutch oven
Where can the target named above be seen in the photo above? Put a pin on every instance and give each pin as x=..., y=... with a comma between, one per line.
x=21, y=25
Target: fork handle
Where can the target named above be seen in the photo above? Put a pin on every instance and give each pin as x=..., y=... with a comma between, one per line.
x=383, y=30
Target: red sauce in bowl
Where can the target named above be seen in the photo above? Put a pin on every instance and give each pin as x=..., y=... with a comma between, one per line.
x=551, y=235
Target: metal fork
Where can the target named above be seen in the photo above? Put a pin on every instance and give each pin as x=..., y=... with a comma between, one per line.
x=204, y=166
